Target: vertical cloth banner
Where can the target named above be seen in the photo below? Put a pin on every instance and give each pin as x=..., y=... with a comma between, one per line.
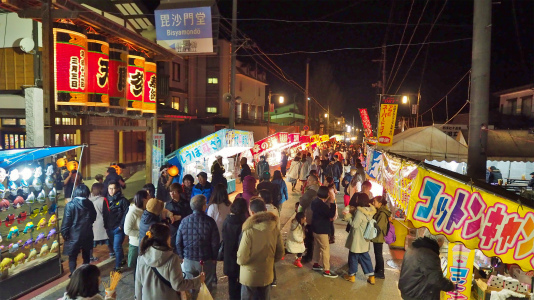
x=386, y=125
x=158, y=155
x=368, y=129
x=459, y=271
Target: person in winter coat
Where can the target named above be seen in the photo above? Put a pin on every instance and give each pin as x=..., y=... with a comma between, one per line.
x=159, y=274
x=100, y=236
x=382, y=219
x=77, y=228
x=114, y=213
x=265, y=184
x=295, y=238
x=249, y=189
x=198, y=239
x=155, y=212
x=179, y=207
x=283, y=164
x=317, y=167
x=305, y=201
x=164, y=182
x=421, y=276
x=218, y=177
x=277, y=180
x=322, y=214
x=262, y=167
x=293, y=174
x=260, y=247
x=218, y=161
x=187, y=186
x=112, y=176
x=230, y=235
x=219, y=206
x=245, y=169
x=305, y=169
x=358, y=246
x=131, y=226
x=203, y=187
x=84, y=284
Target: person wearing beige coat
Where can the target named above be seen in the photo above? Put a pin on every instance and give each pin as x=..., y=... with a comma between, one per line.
x=260, y=247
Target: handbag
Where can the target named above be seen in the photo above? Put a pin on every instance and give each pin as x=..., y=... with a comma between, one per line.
x=220, y=254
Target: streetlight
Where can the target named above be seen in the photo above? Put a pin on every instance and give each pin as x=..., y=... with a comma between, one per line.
x=338, y=122
x=281, y=99
x=326, y=115
x=404, y=99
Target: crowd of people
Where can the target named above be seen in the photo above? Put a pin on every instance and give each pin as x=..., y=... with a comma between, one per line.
x=176, y=238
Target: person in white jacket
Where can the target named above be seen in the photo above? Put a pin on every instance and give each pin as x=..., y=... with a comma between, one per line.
x=131, y=226
x=159, y=274
x=100, y=236
x=219, y=207
x=295, y=238
x=294, y=172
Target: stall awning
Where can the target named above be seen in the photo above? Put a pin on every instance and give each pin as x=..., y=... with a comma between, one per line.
x=428, y=143
x=279, y=140
x=12, y=157
x=510, y=145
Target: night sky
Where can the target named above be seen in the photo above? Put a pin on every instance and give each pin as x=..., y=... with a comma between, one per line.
x=354, y=70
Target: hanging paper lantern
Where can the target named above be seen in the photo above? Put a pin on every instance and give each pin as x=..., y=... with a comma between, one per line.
x=72, y=165
x=117, y=169
x=118, y=63
x=98, y=67
x=41, y=198
x=136, y=83
x=173, y=171
x=52, y=195
x=61, y=162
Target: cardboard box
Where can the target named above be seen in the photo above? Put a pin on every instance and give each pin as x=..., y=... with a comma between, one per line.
x=483, y=291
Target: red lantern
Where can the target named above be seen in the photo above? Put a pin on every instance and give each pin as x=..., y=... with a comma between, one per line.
x=118, y=62
x=136, y=83
x=98, y=79
x=72, y=165
x=149, y=100
x=61, y=162
x=173, y=171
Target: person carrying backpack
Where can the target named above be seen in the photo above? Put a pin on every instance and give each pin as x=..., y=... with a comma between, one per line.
x=357, y=241
x=382, y=219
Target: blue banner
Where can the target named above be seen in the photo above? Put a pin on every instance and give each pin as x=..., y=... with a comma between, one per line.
x=185, y=30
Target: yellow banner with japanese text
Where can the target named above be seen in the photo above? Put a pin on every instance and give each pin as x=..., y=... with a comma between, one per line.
x=386, y=124
x=478, y=219
x=459, y=270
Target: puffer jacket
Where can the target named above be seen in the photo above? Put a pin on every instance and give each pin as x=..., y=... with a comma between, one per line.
x=262, y=168
x=421, y=276
x=305, y=202
x=260, y=247
x=77, y=227
x=182, y=208
x=230, y=235
x=322, y=213
x=249, y=189
x=305, y=169
x=295, y=238
x=245, y=171
x=205, y=190
x=294, y=170
x=147, y=284
x=114, y=211
x=356, y=243
x=147, y=219
x=198, y=237
x=131, y=224
x=283, y=189
x=382, y=219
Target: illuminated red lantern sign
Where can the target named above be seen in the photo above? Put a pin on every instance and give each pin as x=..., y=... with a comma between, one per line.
x=70, y=67
x=136, y=83
x=149, y=100
x=118, y=65
x=98, y=79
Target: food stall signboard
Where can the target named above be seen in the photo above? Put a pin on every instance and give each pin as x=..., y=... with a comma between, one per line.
x=460, y=271
x=478, y=219
x=269, y=142
x=368, y=129
x=185, y=30
x=386, y=125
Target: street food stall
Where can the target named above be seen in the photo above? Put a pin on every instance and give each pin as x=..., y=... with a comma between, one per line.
x=199, y=156
x=29, y=222
x=271, y=147
x=304, y=140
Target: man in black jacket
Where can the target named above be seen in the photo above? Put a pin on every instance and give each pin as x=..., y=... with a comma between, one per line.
x=323, y=212
x=421, y=277
x=114, y=212
x=198, y=239
x=245, y=169
x=179, y=207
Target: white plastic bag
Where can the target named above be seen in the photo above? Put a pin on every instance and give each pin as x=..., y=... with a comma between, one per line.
x=204, y=293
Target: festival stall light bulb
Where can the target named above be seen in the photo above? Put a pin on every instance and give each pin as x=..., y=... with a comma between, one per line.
x=26, y=173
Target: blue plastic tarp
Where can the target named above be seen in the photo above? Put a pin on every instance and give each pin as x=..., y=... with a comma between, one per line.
x=12, y=157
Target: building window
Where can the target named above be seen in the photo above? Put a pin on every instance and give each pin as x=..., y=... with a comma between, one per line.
x=176, y=72
x=65, y=139
x=213, y=80
x=176, y=103
x=14, y=141
x=212, y=110
x=9, y=122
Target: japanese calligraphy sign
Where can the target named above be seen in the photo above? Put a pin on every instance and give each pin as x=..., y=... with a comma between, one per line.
x=368, y=129
x=386, y=125
x=136, y=82
x=98, y=67
x=271, y=142
x=185, y=30
x=323, y=138
x=480, y=220
x=70, y=68
x=149, y=100
x=118, y=64
x=459, y=271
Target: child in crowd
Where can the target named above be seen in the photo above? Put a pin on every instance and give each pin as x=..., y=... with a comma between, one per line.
x=295, y=239
x=84, y=284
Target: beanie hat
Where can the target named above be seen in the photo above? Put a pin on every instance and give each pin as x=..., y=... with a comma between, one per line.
x=154, y=206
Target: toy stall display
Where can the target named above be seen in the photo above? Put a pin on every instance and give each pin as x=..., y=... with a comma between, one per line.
x=271, y=147
x=29, y=224
x=199, y=156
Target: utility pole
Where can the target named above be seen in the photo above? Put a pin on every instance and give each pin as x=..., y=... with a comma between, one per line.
x=307, y=94
x=381, y=85
x=417, y=111
x=328, y=121
x=48, y=73
x=232, y=74
x=268, y=113
x=480, y=77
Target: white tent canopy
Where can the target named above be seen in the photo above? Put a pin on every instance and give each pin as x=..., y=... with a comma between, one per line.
x=427, y=143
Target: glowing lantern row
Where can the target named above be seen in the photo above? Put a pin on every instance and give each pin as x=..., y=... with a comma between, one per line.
x=118, y=63
x=149, y=100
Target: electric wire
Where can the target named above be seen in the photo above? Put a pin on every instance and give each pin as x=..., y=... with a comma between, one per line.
x=454, y=87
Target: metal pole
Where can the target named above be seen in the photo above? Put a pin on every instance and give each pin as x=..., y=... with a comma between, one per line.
x=480, y=78
x=48, y=73
x=232, y=74
x=269, y=114
x=417, y=111
x=328, y=121
x=307, y=92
